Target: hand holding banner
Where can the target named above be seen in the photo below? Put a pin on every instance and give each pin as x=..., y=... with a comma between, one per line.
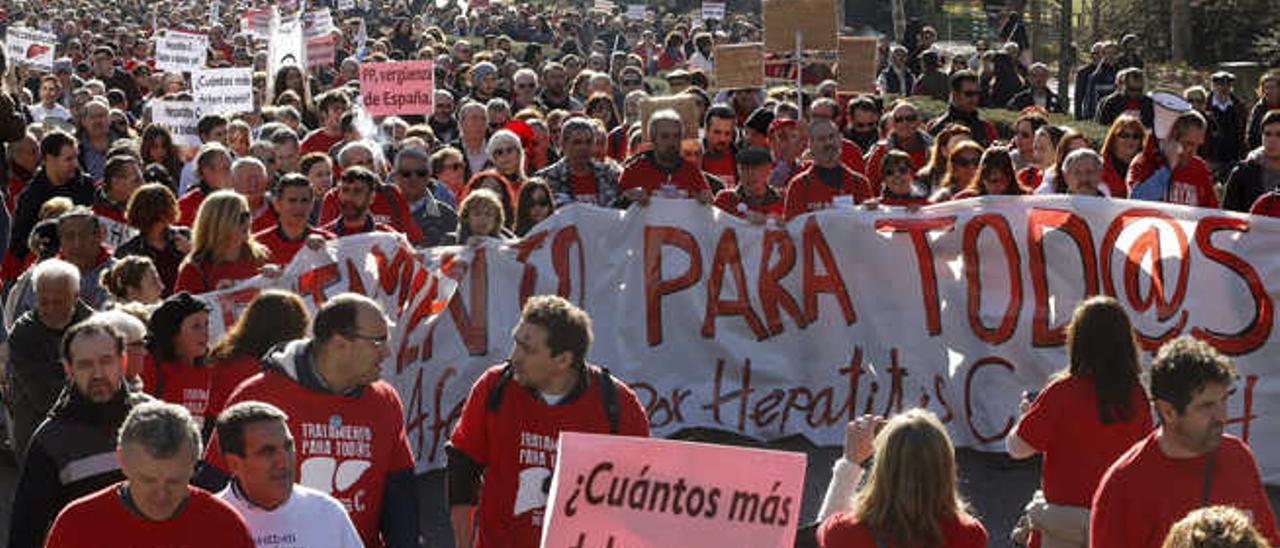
x=750, y=498
x=739, y=66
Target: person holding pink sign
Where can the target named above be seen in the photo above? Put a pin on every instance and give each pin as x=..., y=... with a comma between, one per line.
x=910, y=498
x=511, y=423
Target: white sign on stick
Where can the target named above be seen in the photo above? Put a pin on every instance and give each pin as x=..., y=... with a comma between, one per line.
x=224, y=90
x=180, y=117
x=178, y=51
x=30, y=47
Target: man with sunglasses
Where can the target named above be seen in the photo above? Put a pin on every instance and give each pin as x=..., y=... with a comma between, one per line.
x=963, y=109
x=72, y=454
x=433, y=215
x=864, y=122
x=349, y=425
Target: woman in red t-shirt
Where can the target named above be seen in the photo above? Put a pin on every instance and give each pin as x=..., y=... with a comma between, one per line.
x=913, y=457
x=1122, y=144
x=175, y=369
x=273, y=317
x=1084, y=419
x=223, y=250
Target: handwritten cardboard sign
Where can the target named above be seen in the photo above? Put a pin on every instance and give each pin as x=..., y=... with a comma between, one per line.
x=397, y=88
x=739, y=65
x=665, y=494
x=817, y=21
x=684, y=105
x=223, y=91
x=857, y=69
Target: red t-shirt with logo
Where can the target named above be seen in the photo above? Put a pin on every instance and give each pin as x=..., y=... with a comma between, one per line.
x=184, y=384
x=806, y=192
x=1190, y=184
x=584, y=188
x=102, y=520
x=282, y=248
x=203, y=277
x=516, y=443
x=1145, y=492
x=388, y=207
x=641, y=172
x=345, y=445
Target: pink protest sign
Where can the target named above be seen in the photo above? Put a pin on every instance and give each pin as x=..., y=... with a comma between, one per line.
x=397, y=88
x=648, y=492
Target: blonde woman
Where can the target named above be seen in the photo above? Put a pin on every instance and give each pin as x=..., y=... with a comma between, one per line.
x=479, y=216
x=222, y=250
x=909, y=500
x=507, y=154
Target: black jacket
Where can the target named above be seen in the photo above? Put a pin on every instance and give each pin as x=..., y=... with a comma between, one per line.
x=72, y=455
x=1254, y=134
x=1227, y=138
x=1245, y=184
x=35, y=369
x=1025, y=99
x=1117, y=103
x=26, y=211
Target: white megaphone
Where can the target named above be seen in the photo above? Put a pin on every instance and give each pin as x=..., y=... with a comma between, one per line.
x=1167, y=108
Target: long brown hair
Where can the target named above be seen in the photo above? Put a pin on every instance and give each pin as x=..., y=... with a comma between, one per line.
x=996, y=158
x=273, y=317
x=1064, y=148
x=912, y=485
x=1120, y=125
x=949, y=180
x=1101, y=344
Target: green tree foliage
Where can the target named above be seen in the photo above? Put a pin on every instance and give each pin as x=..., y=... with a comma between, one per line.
x=1223, y=30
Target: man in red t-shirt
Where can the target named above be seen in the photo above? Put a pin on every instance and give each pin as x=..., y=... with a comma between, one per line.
x=213, y=173
x=154, y=505
x=661, y=171
x=512, y=421
x=827, y=182
x=292, y=202
x=850, y=153
x=721, y=132
x=1187, y=463
x=753, y=199
x=355, y=193
x=332, y=105
x=349, y=425
x=1169, y=170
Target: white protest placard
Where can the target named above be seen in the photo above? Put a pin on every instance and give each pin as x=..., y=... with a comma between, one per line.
x=215, y=12
x=179, y=51
x=321, y=51
x=606, y=6
x=316, y=23
x=344, y=5
x=180, y=117
x=224, y=90
x=115, y=233
x=405, y=87
x=289, y=6
x=636, y=12
x=750, y=498
x=286, y=46
x=257, y=23
x=30, y=47
x=713, y=10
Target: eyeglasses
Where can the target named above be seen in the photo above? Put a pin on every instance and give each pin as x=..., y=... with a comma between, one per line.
x=377, y=340
x=965, y=161
x=414, y=173
x=1130, y=135
x=906, y=118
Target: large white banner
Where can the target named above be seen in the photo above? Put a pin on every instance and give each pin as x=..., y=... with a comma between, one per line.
x=770, y=331
x=286, y=45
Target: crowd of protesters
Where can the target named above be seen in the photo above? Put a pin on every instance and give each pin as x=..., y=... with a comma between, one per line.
x=115, y=391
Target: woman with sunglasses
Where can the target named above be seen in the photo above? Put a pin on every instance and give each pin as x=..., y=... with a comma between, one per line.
x=962, y=171
x=222, y=251
x=507, y=155
x=1122, y=144
x=900, y=186
x=906, y=135
x=533, y=205
x=931, y=175
x=995, y=176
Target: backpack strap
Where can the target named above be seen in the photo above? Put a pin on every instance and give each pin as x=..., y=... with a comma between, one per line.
x=609, y=395
x=495, y=394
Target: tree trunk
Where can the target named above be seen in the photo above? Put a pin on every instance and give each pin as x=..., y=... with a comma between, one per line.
x=1180, y=30
x=1036, y=35
x=1095, y=26
x=1066, y=64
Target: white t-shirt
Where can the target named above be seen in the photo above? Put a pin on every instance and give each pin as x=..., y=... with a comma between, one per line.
x=309, y=519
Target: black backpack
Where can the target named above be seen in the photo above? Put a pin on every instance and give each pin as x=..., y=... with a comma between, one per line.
x=608, y=394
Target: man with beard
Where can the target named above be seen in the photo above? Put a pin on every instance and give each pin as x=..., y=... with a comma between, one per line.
x=720, y=134
x=73, y=452
x=1131, y=98
x=554, y=94
x=1187, y=463
x=827, y=182
x=662, y=171
x=864, y=122
x=850, y=153
x=355, y=194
